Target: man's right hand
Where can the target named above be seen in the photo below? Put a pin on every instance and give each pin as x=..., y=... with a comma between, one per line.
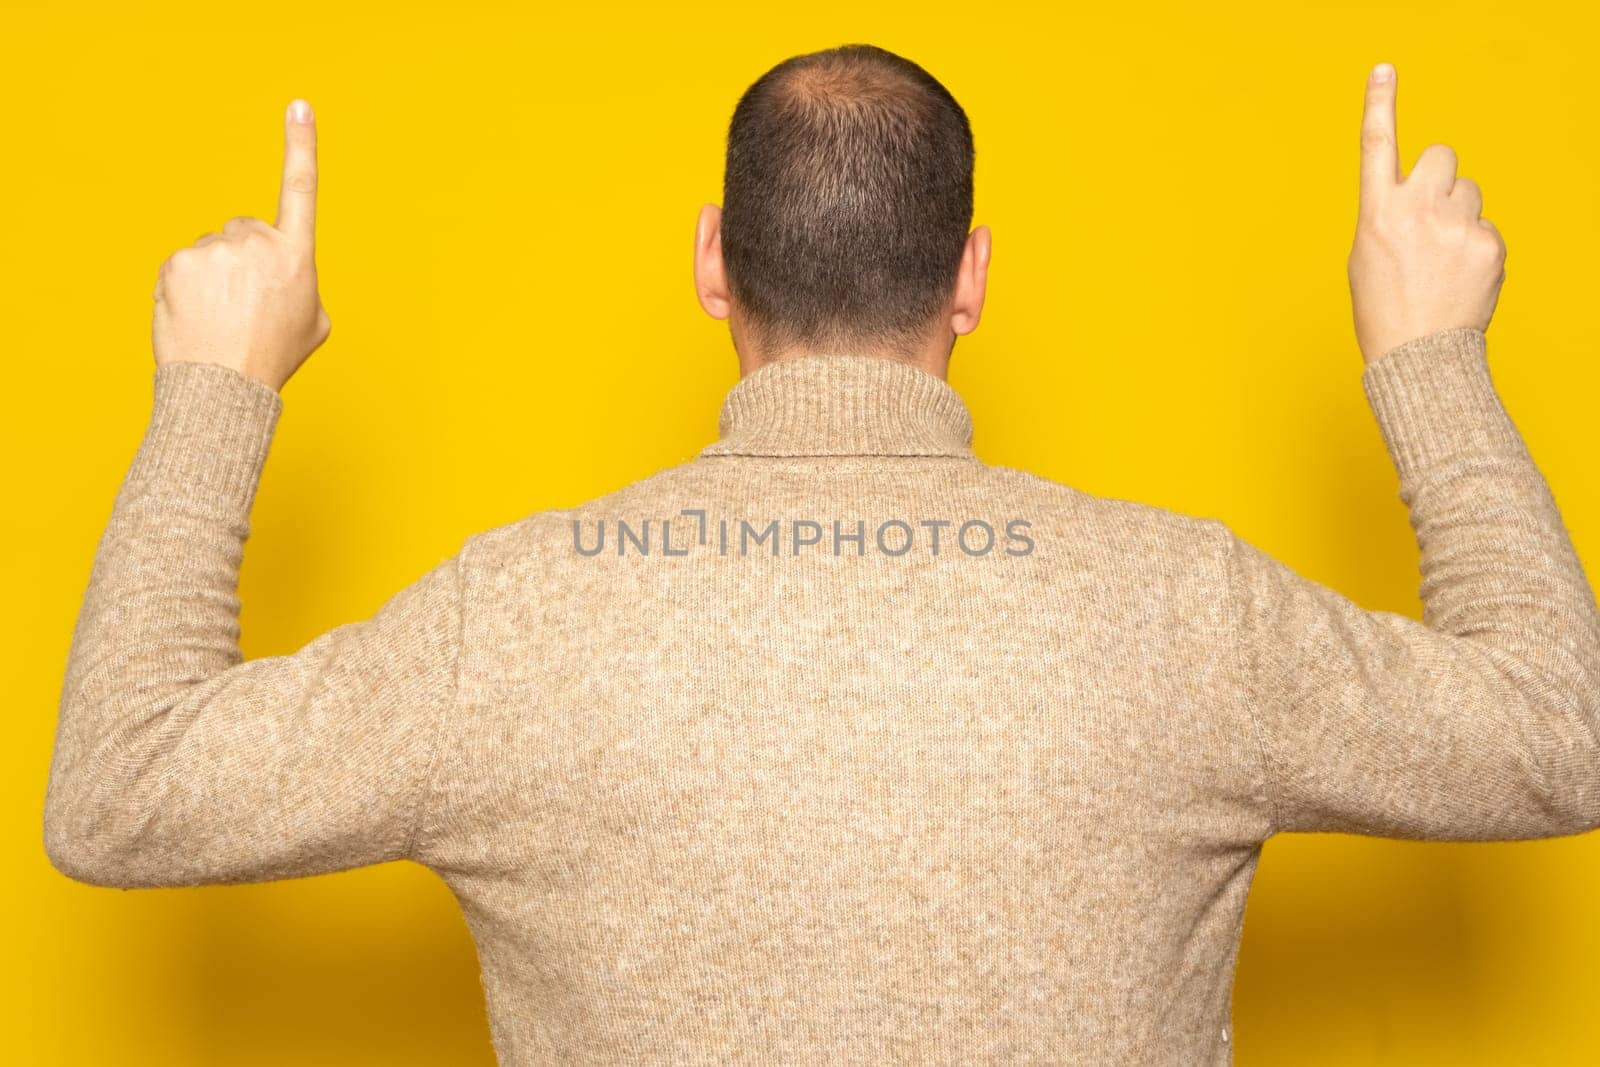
x=1423, y=259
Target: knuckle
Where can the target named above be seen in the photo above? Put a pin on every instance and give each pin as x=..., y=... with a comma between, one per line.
x=1378, y=226
x=1396, y=221
x=301, y=181
x=1374, y=138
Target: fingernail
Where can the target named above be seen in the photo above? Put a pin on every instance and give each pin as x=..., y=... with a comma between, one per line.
x=299, y=111
x=1383, y=72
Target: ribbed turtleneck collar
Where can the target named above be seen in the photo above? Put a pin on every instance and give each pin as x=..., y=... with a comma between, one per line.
x=842, y=405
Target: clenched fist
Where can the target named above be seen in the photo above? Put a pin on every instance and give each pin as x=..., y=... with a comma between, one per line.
x=247, y=297
x=1423, y=259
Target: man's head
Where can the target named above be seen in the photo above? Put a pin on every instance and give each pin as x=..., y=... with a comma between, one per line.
x=846, y=206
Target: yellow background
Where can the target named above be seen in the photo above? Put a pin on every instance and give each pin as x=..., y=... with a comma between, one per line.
x=505, y=223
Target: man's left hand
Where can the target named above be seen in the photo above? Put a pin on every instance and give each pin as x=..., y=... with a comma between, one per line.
x=247, y=297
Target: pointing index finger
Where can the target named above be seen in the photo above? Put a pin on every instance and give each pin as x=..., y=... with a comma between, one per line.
x=297, y=199
x=1380, y=155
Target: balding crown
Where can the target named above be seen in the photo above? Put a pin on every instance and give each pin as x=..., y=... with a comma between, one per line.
x=847, y=200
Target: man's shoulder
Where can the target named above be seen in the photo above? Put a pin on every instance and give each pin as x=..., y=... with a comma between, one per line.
x=514, y=537
x=1073, y=504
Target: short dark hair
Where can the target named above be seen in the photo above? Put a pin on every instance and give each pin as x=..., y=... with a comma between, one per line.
x=846, y=201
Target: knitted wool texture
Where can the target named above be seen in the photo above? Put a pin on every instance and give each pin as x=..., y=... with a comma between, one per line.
x=730, y=788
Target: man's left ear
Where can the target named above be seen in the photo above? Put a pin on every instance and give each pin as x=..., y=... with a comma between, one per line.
x=710, y=279
x=972, y=282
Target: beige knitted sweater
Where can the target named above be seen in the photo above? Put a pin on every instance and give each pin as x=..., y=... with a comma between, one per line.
x=835, y=744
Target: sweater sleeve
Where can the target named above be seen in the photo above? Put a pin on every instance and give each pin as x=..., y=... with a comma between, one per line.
x=1482, y=720
x=178, y=763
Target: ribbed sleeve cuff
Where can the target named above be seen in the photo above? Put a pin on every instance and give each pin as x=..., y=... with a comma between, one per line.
x=207, y=441
x=1435, y=401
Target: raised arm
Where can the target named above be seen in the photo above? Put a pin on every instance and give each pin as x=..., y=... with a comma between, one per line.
x=175, y=761
x=1482, y=721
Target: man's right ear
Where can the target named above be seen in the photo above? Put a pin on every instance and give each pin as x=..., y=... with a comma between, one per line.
x=972, y=283
x=710, y=279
